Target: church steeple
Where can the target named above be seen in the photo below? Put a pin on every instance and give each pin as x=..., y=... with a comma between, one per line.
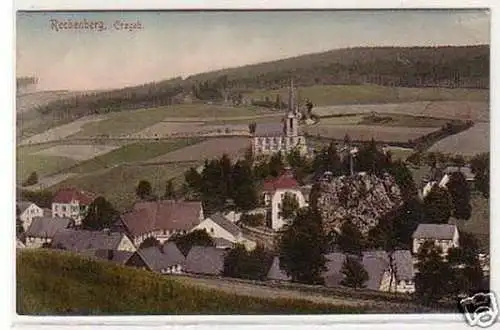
x=291, y=97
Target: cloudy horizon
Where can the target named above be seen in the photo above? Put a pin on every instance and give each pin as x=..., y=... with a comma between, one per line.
x=103, y=50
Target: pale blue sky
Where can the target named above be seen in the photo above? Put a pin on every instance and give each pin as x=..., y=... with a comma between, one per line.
x=183, y=43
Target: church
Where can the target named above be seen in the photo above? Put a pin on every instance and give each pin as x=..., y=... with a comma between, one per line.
x=270, y=138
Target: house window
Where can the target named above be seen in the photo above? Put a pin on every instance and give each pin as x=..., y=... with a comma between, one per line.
x=212, y=230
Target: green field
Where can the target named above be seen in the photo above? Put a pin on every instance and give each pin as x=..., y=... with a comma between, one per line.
x=41, y=164
x=57, y=283
x=383, y=119
x=136, y=152
x=127, y=122
x=364, y=94
x=118, y=183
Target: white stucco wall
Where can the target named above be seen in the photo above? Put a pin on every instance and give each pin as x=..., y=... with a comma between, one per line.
x=36, y=242
x=214, y=230
x=27, y=216
x=126, y=245
x=71, y=210
x=277, y=222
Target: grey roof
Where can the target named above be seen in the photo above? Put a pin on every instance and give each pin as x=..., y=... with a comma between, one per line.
x=47, y=226
x=375, y=265
x=79, y=240
x=23, y=205
x=116, y=256
x=222, y=243
x=269, y=129
x=334, y=262
x=205, y=260
x=222, y=221
x=403, y=264
x=276, y=273
x=158, y=258
x=465, y=170
x=435, y=231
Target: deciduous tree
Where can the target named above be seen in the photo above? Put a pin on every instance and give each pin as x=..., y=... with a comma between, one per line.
x=437, y=206
x=101, y=214
x=144, y=189
x=196, y=237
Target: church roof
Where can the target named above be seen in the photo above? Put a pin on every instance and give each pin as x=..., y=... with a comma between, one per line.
x=284, y=181
x=269, y=129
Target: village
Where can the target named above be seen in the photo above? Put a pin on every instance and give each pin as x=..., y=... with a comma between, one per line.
x=371, y=237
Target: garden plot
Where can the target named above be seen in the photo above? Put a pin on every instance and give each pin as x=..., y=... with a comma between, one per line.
x=63, y=131
x=468, y=143
x=208, y=149
x=77, y=152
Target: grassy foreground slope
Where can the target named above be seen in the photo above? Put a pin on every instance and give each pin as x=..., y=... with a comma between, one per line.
x=56, y=283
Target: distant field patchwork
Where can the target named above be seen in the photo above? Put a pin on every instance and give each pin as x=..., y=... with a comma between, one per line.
x=363, y=94
x=476, y=111
x=118, y=184
x=77, y=152
x=468, y=143
x=208, y=149
x=367, y=132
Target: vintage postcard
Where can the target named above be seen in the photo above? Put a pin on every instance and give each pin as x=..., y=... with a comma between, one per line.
x=253, y=162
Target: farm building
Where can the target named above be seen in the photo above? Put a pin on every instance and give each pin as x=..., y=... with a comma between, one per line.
x=161, y=219
x=27, y=211
x=71, y=203
x=43, y=230
x=443, y=235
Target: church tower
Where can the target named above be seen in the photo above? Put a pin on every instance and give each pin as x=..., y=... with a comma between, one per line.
x=292, y=123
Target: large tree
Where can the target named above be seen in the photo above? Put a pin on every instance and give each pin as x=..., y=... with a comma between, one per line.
x=170, y=190
x=289, y=206
x=437, y=206
x=252, y=265
x=460, y=196
x=193, y=179
x=244, y=191
x=404, y=179
x=276, y=165
x=350, y=240
x=434, y=279
x=480, y=166
x=31, y=180
x=213, y=187
x=196, y=237
x=101, y=214
x=327, y=159
x=355, y=274
x=302, y=247
x=144, y=189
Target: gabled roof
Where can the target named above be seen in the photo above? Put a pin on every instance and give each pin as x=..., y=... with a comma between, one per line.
x=434, y=231
x=67, y=195
x=80, y=240
x=205, y=260
x=23, y=205
x=276, y=273
x=269, y=129
x=47, y=226
x=284, y=181
x=227, y=225
x=169, y=215
x=158, y=258
x=375, y=265
x=403, y=264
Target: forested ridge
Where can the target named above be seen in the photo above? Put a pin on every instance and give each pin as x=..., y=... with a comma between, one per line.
x=454, y=67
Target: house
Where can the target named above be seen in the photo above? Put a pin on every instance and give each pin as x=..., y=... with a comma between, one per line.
x=165, y=259
x=27, y=211
x=443, y=235
x=270, y=138
x=71, y=203
x=274, y=191
x=404, y=272
x=206, y=260
x=43, y=229
x=161, y=219
x=333, y=275
x=275, y=273
x=377, y=265
x=81, y=240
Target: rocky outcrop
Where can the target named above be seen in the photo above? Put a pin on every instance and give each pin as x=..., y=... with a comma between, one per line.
x=363, y=199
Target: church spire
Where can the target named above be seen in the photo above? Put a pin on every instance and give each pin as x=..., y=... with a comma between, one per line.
x=291, y=97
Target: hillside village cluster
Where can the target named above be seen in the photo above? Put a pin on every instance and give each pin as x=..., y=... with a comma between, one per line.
x=59, y=227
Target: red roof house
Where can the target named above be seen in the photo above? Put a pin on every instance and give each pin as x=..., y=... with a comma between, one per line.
x=284, y=181
x=67, y=195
